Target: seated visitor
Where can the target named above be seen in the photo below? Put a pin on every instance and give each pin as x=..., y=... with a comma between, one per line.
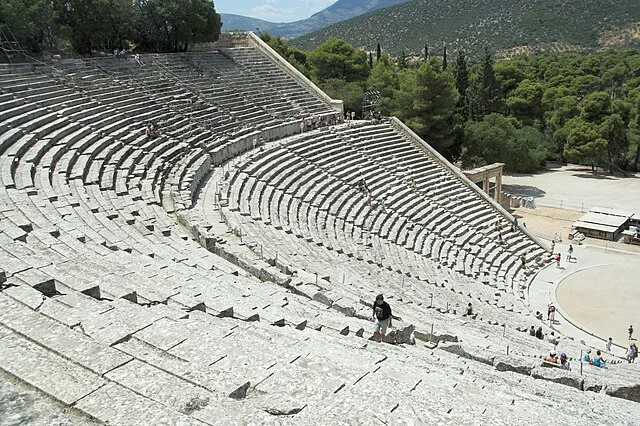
x=539, y=315
x=587, y=357
x=552, y=338
x=564, y=362
x=469, y=311
x=532, y=331
x=539, y=333
x=552, y=358
x=598, y=361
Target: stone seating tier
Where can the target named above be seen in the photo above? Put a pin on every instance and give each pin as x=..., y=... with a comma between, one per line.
x=106, y=301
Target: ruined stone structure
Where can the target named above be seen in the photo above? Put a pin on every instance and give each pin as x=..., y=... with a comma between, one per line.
x=176, y=251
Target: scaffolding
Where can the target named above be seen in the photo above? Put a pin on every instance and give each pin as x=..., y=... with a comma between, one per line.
x=10, y=46
x=370, y=104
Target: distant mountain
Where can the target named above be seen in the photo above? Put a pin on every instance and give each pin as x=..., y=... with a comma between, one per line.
x=339, y=11
x=506, y=26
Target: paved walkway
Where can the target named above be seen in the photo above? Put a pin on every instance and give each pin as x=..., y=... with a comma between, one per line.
x=575, y=187
x=597, y=295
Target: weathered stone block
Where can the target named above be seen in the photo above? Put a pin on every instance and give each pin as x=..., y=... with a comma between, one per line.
x=459, y=350
x=517, y=365
x=557, y=375
x=630, y=392
x=401, y=335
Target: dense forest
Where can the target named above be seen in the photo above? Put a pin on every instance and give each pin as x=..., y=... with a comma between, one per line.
x=86, y=26
x=582, y=108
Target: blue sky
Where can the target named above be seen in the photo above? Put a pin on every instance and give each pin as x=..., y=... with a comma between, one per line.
x=273, y=10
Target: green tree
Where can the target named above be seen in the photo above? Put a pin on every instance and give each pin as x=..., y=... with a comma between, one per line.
x=509, y=74
x=525, y=102
x=384, y=79
x=337, y=59
x=484, y=94
x=462, y=81
x=95, y=24
x=402, y=60
x=426, y=101
x=497, y=138
x=444, y=58
x=351, y=93
x=596, y=106
x=564, y=109
x=32, y=22
x=586, y=146
x=633, y=132
x=462, y=106
x=614, y=130
x=378, y=52
x=173, y=25
x=585, y=84
x=294, y=56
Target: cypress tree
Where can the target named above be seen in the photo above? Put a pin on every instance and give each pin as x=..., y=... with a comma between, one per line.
x=426, y=52
x=378, y=52
x=462, y=79
x=370, y=60
x=444, y=58
x=402, y=60
x=489, y=85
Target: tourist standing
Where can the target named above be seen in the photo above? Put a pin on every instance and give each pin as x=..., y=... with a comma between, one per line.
x=382, y=315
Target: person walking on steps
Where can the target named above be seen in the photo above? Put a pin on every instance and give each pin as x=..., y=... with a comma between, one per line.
x=382, y=315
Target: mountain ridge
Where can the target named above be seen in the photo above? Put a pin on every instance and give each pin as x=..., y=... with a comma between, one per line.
x=338, y=11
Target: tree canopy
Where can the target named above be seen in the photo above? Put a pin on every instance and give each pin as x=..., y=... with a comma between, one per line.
x=93, y=25
x=521, y=111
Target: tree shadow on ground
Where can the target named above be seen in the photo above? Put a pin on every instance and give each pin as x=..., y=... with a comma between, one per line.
x=592, y=176
x=523, y=190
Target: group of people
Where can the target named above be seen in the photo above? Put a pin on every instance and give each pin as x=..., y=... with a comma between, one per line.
x=558, y=257
x=562, y=361
x=513, y=227
x=311, y=123
x=596, y=361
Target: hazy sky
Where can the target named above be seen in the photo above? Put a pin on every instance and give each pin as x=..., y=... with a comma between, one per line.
x=273, y=10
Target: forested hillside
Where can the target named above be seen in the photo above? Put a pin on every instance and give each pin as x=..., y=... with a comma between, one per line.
x=582, y=108
x=500, y=25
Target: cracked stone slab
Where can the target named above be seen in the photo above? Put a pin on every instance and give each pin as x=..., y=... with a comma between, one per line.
x=59, y=338
x=120, y=406
x=47, y=371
